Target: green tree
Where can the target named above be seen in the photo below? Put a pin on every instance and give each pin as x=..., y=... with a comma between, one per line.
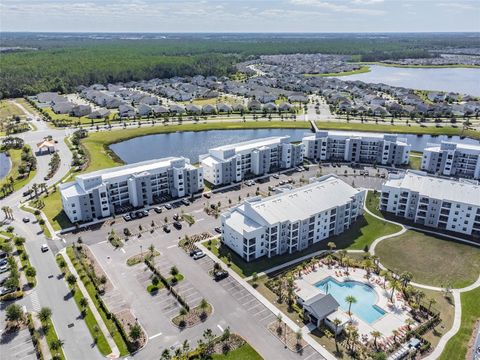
x=44, y=314
x=14, y=313
x=350, y=299
x=135, y=332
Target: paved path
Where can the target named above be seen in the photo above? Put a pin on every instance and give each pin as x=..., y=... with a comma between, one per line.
x=115, y=352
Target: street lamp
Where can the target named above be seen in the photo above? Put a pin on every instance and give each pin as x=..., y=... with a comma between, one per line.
x=141, y=252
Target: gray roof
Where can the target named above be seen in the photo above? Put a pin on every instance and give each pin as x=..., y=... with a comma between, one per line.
x=321, y=305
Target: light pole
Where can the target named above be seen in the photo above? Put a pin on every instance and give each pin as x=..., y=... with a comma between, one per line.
x=141, y=252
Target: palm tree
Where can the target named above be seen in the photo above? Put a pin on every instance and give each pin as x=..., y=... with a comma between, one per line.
x=204, y=307
x=337, y=323
x=405, y=278
x=386, y=275
x=394, y=285
x=44, y=314
x=375, y=334
x=35, y=189
x=350, y=299
x=279, y=322
x=56, y=344
x=299, y=337
x=290, y=290
x=166, y=355
x=331, y=245
x=341, y=254
x=14, y=313
x=431, y=302
x=183, y=312
x=83, y=304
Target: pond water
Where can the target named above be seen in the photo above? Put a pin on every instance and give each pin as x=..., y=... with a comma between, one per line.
x=191, y=144
x=461, y=80
x=5, y=165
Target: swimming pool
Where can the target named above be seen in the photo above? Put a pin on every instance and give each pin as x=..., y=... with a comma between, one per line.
x=364, y=308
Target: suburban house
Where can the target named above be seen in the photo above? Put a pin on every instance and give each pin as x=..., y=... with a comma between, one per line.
x=98, y=194
x=293, y=220
x=233, y=162
x=435, y=202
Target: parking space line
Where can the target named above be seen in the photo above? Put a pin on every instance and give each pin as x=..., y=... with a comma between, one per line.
x=266, y=317
x=309, y=356
x=172, y=246
x=249, y=301
x=122, y=250
x=220, y=328
x=260, y=312
x=154, y=336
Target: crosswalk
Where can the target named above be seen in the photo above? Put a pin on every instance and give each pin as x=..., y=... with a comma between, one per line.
x=35, y=301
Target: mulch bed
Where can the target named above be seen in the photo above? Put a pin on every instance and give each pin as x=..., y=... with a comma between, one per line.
x=194, y=317
x=234, y=342
x=127, y=320
x=290, y=338
x=90, y=259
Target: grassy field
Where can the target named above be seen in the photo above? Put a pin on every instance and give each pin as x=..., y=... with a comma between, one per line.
x=53, y=211
x=363, y=232
x=112, y=328
x=244, y=352
x=96, y=144
x=457, y=346
x=363, y=69
x=8, y=109
x=16, y=159
x=89, y=319
x=424, y=256
x=415, y=162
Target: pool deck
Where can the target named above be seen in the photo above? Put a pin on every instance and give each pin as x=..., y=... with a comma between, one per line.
x=395, y=314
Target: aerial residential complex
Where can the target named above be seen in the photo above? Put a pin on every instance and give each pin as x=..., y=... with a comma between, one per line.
x=293, y=220
x=450, y=158
x=231, y=163
x=343, y=146
x=98, y=194
x=434, y=202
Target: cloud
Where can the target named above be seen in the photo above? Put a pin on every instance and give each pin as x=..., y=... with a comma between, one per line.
x=457, y=6
x=338, y=7
x=367, y=2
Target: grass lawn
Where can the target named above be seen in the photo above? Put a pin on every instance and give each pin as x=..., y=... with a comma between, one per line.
x=54, y=212
x=363, y=69
x=16, y=159
x=402, y=129
x=89, y=319
x=458, y=345
x=415, y=162
x=74, y=119
x=44, y=227
x=112, y=328
x=51, y=335
x=447, y=312
x=8, y=109
x=425, y=257
x=244, y=352
x=96, y=144
x=363, y=232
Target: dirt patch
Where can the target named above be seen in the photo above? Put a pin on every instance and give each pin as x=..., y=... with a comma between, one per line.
x=127, y=320
x=90, y=263
x=194, y=317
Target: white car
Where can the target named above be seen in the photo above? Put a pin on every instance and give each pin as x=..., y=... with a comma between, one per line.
x=200, y=254
x=44, y=248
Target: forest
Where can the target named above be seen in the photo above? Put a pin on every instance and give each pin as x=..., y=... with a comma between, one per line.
x=60, y=62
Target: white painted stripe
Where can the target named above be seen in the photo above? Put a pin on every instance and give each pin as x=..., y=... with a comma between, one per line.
x=154, y=336
x=221, y=329
x=102, y=242
x=122, y=250
x=172, y=246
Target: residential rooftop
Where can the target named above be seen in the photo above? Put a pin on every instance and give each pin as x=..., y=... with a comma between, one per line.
x=252, y=144
x=467, y=192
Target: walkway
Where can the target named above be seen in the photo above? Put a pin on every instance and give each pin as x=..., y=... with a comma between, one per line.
x=93, y=308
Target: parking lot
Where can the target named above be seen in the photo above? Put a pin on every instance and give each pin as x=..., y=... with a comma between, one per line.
x=17, y=346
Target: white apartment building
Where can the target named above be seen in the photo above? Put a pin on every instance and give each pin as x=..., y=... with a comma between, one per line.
x=97, y=194
x=452, y=159
x=231, y=163
x=371, y=148
x=293, y=220
x=434, y=202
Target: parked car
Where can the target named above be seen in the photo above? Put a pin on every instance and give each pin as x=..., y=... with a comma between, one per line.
x=157, y=209
x=132, y=215
x=168, y=206
x=127, y=217
x=276, y=176
x=195, y=251
x=175, y=217
x=185, y=202
x=26, y=220
x=44, y=248
x=166, y=229
x=140, y=214
x=27, y=193
x=207, y=195
x=145, y=212
x=220, y=274
x=218, y=230
x=5, y=290
x=199, y=255
x=4, y=268
x=177, y=225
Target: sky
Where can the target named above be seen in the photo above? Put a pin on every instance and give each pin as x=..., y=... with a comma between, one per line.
x=240, y=15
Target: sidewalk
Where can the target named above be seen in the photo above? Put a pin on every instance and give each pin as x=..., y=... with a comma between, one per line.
x=98, y=318
x=315, y=345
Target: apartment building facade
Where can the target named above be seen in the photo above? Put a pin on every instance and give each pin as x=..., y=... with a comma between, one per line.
x=434, y=202
x=97, y=194
x=293, y=220
x=358, y=148
x=231, y=163
x=452, y=159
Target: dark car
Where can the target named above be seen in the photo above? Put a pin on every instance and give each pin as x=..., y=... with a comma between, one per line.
x=220, y=274
x=166, y=228
x=207, y=195
x=177, y=225
x=195, y=251
x=185, y=202
x=132, y=215
x=140, y=214
x=26, y=220
x=218, y=230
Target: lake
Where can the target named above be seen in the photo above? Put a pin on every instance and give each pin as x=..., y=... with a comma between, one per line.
x=5, y=165
x=461, y=80
x=191, y=144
